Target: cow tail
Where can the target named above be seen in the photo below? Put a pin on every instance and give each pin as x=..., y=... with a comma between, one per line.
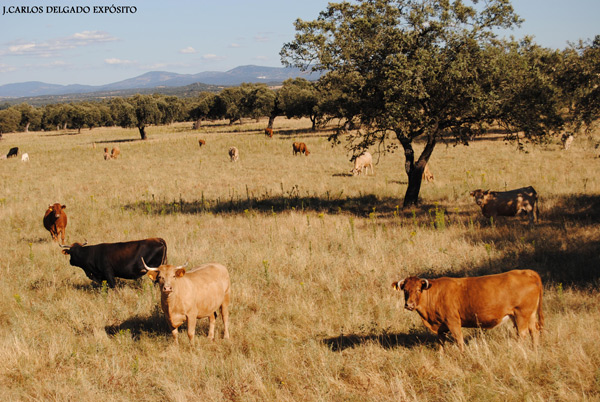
x=540, y=323
x=537, y=210
x=164, y=257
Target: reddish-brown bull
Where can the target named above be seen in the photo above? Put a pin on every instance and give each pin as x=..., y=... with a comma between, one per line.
x=507, y=203
x=198, y=293
x=300, y=147
x=269, y=132
x=448, y=304
x=201, y=142
x=55, y=221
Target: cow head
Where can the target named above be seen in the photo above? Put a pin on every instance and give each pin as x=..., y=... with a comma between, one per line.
x=412, y=287
x=480, y=196
x=73, y=250
x=56, y=209
x=306, y=152
x=165, y=275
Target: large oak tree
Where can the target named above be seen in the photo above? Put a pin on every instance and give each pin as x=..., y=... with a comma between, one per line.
x=427, y=69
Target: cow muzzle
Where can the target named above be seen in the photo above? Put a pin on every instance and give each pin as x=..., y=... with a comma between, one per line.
x=167, y=290
x=409, y=307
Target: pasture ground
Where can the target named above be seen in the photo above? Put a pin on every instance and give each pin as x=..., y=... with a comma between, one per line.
x=312, y=253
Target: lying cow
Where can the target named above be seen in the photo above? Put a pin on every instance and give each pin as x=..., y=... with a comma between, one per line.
x=507, y=203
x=107, y=261
x=363, y=162
x=198, y=293
x=234, y=154
x=55, y=221
x=300, y=147
x=448, y=304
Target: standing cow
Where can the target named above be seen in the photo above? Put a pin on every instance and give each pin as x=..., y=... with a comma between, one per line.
x=449, y=304
x=55, y=221
x=234, y=154
x=507, y=203
x=363, y=162
x=107, y=261
x=567, y=140
x=300, y=147
x=198, y=293
x=115, y=152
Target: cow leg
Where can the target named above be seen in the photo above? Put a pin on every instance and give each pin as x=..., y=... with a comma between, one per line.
x=211, y=326
x=191, y=327
x=110, y=278
x=62, y=236
x=456, y=332
x=225, y=316
x=174, y=333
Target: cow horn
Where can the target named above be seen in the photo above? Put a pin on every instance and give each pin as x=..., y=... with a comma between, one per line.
x=426, y=282
x=147, y=267
x=183, y=266
x=63, y=246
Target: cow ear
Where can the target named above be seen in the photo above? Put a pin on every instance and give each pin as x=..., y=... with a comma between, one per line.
x=63, y=206
x=153, y=275
x=425, y=284
x=66, y=251
x=180, y=272
x=398, y=285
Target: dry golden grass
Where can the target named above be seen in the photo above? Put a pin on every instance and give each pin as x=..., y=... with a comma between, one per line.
x=312, y=253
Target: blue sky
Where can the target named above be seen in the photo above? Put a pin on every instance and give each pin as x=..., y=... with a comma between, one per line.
x=204, y=35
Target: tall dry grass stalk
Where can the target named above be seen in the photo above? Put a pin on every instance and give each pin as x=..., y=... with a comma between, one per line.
x=312, y=254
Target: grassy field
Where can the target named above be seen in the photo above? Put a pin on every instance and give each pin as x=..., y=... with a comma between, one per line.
x=312, y=253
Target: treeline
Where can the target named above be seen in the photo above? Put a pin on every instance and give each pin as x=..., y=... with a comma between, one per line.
x=297, y=97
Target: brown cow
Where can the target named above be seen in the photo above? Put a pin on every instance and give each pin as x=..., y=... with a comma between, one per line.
x=114, y=153
x=198, y=293
x=55, y=221
x=201, y=143
x=106, y=154
x=507, y=203
x=269, y=132
x=300, y=147
x=427, y=175
x=448, y=304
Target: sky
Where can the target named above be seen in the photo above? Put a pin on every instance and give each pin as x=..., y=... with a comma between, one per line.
x=188, y=37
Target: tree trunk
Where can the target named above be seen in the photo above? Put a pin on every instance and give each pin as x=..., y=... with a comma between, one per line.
x=313, y=119
x=27, y=127
x=414, y=171
x=142, y=132
x=271, y=121
x=197, y=124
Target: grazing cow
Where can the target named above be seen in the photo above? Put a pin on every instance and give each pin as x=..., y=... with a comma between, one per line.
x=13, y=152
x=106, y=154
x=201, y=143
x=507, y=203
x=363, y=162
x=55, y=221
x=269, y=132
x=300, y=147
x=567, y=140
x=448, y=304
x=198, y=293
x=234, y=154
x=25, y=157
x=114, y=153
x=107, y=261
x=427, y=175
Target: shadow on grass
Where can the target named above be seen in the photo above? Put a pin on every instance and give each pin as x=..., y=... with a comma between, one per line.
x=386, y=340
x=153, y=325
x=117, y=141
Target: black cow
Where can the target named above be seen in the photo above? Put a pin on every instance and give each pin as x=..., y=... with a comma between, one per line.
x=13, y=152
x=107, y=261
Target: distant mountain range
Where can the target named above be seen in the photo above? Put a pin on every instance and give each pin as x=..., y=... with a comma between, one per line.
x=160, y=79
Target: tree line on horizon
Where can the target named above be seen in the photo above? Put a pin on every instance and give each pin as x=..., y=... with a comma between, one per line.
x=429, y=69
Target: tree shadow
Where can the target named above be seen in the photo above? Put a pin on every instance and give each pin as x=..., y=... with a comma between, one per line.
x=385, y=340
x=118, y=141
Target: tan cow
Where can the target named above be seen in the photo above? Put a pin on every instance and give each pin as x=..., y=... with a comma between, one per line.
x=449, y=304
x=300, y=147
x=427, y=175
x=114, y=153
x=198, y=293
x=106, y=154
x=363, y=162
x=507, y=203
x=234, y=154
x=55, y=221
x=567, y=140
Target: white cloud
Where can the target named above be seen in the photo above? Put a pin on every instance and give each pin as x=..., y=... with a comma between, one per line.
x=235, y=45
x=5, y=68
x=53, y=46
x=115, y=61
x=261, y=38
x=188, y=50
x=212, y=57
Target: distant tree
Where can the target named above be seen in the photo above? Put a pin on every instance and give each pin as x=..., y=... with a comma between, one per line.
x=427, y=69
x=171, y=109
x=30, y=117
x=55, y=116
x=9, y=120
x=231, y=100
x=200, y=108
x=298, y=98
x=257, y=100
x=122, y=113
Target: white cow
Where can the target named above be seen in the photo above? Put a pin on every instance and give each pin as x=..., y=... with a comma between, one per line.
x=234, y=154
x=363, y=162
x=25, y=157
